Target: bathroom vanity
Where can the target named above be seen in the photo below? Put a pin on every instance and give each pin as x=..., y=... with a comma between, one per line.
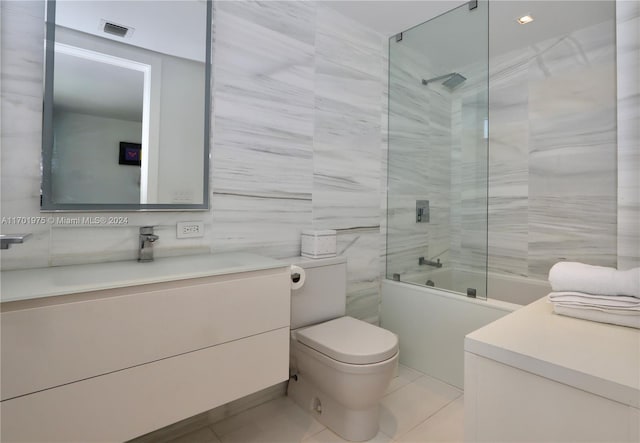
x=108, y=352
x=537, y=376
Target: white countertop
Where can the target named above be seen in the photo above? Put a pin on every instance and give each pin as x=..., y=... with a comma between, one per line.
x=27, y=284
x=596, y=357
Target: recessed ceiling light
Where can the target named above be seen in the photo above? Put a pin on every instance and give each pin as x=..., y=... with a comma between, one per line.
x=525, y=19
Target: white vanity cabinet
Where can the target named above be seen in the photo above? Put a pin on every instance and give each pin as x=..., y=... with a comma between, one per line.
x=537, y=376
x=113, y=364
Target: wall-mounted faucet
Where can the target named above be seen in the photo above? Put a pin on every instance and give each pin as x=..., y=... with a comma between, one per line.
x=435, y=264
x=147, y=237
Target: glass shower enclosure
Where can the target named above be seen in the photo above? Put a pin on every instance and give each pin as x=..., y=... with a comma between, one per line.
x=438, y=152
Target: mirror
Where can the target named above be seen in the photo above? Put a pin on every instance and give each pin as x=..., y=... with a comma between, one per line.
x=126, y=105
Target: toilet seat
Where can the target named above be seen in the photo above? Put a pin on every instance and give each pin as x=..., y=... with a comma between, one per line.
x=350, y=341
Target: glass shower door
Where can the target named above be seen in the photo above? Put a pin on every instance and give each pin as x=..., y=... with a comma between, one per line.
x=438, y=152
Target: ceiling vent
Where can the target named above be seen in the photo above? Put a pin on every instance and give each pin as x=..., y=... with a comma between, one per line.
x=117, y=30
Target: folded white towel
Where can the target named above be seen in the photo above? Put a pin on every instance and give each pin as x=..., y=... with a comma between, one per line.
x=573, y=276
x=632, y=321
x=621, y=302
x=623, y=312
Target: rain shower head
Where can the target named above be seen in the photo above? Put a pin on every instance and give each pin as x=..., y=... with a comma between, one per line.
x=452, y=80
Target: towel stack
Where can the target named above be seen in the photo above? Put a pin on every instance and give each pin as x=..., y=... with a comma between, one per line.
x=596, y=293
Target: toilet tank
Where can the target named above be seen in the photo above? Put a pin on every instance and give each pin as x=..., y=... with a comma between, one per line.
x=324, y=293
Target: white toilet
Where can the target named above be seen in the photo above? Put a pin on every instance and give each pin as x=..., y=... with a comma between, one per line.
x=340, y=366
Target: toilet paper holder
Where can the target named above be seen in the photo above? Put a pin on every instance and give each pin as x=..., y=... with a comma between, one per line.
x=297, y=277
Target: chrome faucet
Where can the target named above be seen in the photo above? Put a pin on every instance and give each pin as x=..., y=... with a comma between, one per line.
x=147, y=237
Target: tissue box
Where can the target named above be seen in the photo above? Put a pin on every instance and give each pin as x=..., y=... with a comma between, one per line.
x=318, y=244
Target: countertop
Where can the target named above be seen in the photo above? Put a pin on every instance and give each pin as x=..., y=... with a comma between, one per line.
x=27, y=284
x=596, y=357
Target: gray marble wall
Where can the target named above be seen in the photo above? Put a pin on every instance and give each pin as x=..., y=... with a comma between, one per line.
x=349, y=76
x=296, y=143
x=469, y=175
x=628, y=59
x=419, y=161
x=553, y=153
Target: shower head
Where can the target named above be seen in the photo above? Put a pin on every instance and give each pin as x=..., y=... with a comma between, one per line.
x=452, y=80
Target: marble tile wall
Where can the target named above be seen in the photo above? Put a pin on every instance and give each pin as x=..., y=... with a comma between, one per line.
x=419, y=162
x=553, y=154
x=469, y=176
x=509, y=163
x=552, y=151
x=296, y=131
x=297, y=144
x=262, y=163
x=21, y=54
x=628, y=90
x=346, y=158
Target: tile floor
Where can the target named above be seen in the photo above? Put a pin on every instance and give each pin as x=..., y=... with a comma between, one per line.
x=416, y=408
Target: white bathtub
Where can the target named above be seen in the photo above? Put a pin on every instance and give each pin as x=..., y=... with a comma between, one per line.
x=432, y=323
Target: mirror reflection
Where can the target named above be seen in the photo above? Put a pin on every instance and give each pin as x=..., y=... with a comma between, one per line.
x=126, y=108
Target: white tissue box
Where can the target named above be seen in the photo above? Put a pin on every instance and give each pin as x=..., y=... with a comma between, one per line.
x=318, y=244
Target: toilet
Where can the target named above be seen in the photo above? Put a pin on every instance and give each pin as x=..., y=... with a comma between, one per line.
x=340, y=366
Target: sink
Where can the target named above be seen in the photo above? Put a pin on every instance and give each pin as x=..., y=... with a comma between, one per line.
x=23, y=284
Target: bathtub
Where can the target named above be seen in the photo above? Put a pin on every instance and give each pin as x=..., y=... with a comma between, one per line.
x=432, y=323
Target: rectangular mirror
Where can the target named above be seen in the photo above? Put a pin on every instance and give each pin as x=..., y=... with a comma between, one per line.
x=126, y=105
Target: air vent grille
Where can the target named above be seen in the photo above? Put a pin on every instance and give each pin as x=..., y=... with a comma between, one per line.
x=113, y=29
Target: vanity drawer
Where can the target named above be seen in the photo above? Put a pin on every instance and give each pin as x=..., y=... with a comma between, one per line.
x=128, y=403
x=105, y=331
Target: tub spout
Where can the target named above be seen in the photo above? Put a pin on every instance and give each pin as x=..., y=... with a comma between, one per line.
x=436, y=264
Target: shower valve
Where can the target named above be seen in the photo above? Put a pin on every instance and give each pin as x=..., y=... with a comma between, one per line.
x=422, y=211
